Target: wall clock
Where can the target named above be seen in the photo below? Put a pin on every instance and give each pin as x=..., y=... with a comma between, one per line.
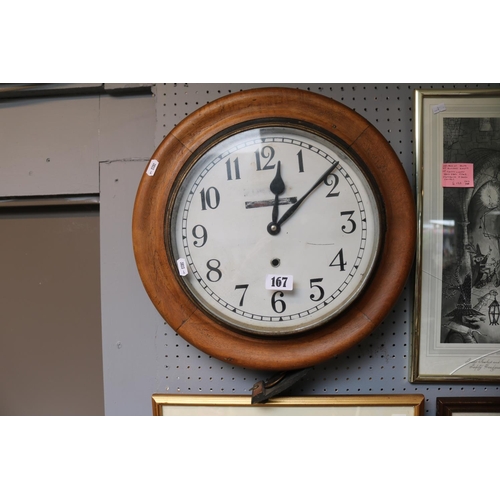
x=274, y=228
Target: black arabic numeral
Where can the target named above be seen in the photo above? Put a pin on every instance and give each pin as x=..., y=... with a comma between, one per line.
x=244, y=288
x=341, y=262
x=333, y=181
x=275, y=302
x=312, y=284
x=349, y=214
x=301, y=161
x=210, y=198
x=236, y=169
x=203, y=236
x=214, y=269
x=267, y=152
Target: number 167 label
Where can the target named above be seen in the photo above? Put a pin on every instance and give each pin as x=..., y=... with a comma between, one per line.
x=279, y=282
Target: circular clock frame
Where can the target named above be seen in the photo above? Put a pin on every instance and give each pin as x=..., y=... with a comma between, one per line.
x=220, y=118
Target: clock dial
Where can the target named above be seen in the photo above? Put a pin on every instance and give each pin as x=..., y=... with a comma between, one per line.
x=278, y=228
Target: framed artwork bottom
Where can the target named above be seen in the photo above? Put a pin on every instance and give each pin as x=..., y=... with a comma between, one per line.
x=207, y=405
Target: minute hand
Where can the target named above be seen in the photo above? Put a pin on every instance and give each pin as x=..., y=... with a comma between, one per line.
x=299, y=202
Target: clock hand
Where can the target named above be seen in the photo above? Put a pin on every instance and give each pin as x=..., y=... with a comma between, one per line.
x=296, y=205
x=277, y=187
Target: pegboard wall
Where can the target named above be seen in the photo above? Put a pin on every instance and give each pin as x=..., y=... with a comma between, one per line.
x=380, y=363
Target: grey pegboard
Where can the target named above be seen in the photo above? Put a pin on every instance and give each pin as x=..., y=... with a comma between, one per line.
x=379, y=364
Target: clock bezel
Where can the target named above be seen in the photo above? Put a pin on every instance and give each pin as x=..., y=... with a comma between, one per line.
x=218, y=118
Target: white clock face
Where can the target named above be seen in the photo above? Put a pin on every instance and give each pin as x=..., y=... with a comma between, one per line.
x=277, y=228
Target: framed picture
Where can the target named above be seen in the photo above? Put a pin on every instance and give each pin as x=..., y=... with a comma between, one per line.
x=180, y=405
x=463, y=407
x=457, y=310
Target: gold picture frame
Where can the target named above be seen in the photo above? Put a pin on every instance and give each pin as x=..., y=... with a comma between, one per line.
x=207, y=405
x=456, y=335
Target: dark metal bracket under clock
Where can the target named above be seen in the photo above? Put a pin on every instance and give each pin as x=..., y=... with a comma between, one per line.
x=264, y=390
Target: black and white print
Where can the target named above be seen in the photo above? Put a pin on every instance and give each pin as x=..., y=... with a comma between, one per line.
x=471, y=234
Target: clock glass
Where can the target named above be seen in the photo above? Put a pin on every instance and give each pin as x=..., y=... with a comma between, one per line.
x=275, y=228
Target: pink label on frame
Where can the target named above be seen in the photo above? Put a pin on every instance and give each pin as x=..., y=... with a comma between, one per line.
x=457, y=175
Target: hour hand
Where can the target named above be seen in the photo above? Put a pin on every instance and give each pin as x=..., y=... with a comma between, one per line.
x=277, y=187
